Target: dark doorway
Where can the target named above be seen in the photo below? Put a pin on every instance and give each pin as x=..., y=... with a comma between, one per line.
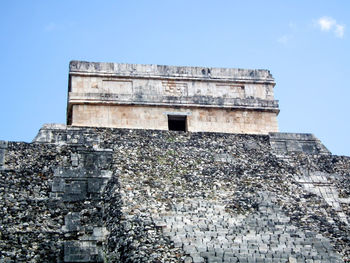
x=177, y=123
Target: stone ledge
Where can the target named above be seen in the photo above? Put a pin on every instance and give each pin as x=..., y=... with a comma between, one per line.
x=285, y=143
x=292, y=136
x=54, y=126
x=188, y=101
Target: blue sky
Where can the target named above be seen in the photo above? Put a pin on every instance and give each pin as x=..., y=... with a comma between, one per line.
x=305, y=44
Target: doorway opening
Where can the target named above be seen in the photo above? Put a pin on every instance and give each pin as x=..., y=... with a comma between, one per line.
x=177, y=123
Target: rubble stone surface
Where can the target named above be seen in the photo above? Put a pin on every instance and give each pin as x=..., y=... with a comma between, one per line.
x=119, y=195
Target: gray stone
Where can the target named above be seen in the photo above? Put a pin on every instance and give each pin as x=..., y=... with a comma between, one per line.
x=81, y=252
x=284, y=143
x=3, y=146
x=214, y=260
x=197, y=259
x=258, y=210
x=72, y=222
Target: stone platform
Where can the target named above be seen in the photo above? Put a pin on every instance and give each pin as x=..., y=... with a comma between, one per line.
x=121, y=195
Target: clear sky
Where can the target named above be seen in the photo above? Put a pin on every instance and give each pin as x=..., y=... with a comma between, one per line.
x=305, y=44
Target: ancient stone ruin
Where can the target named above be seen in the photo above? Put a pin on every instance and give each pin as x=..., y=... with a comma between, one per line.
x=172, y=164
x=156, y=97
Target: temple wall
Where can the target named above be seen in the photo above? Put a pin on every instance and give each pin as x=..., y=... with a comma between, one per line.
x=130, y=89
x=198, y=119
x=139, y=97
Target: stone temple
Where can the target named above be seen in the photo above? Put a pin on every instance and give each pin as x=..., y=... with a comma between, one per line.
x=194, y=99
x=172, y=164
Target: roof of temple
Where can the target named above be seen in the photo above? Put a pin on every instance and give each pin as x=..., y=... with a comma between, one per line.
x=177, y=72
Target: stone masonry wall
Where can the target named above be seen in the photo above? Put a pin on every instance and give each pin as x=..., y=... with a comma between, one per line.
x=119, y=195
x=198, y=119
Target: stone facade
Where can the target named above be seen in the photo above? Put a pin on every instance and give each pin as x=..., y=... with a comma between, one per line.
x=150, y=96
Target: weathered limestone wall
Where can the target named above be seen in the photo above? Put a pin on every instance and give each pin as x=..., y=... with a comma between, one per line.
x=110, y=88
x=198, y=119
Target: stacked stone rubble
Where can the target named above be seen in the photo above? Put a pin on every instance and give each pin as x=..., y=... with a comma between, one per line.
x=170, y=197
x=51, y=200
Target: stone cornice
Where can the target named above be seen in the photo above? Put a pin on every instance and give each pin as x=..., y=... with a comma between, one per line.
x=201, y=102
x=170, y=72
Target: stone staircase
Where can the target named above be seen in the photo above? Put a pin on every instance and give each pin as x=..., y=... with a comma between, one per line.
x=318, y=183
x=208, y=233
x=80, y=186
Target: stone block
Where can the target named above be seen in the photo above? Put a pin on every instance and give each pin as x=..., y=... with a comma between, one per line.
x=100, y=233
x=75, y=251
x=197, y=259
x=104, y=159
x=2, y=159
x=3, y=144
x=189, y=249
x=75, y=190
x=95, y=185
x=58, y=184
x=90, y=161
x=72, y=222
x=75, y=159
x=214, y=260
x=201, y=248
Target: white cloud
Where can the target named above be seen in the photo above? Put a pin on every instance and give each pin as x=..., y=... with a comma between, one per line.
x=327, y=24
x=284, y=39
x=339, y=31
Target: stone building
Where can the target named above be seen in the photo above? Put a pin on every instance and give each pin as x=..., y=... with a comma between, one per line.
x=195, y=99
x=87, y=194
